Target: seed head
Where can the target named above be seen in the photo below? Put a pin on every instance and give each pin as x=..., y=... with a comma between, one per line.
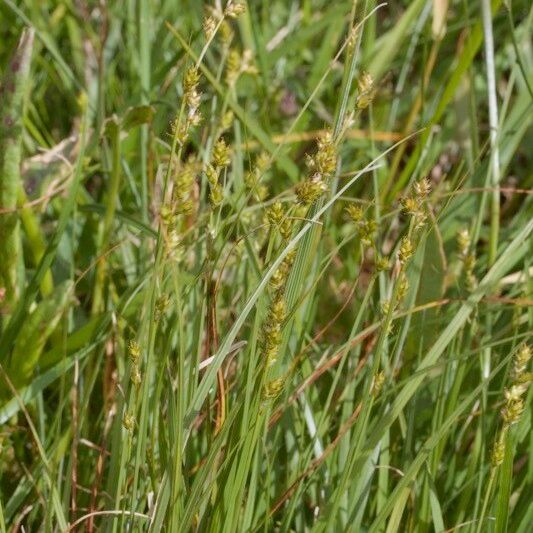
x=134, y=351
x=278, y=310
x=167, y=215
x=498, y=453
x=183, y=186
x=227, y=120
x=382, y=264
x=262, y=162
x=515, y=392
x=216, y=195
x=252, y=182
x=273, y=388
x=377, y=383
x=326, y=155
x=366, y=91
x=422, y=188
x=128, y=422
x=135, y=376
x=367, y=229
x=310, y=190
x=226, y=33
x=413, y=206
x=275, y=214
x=512, y=411
x=190, y=79
x=174, y=245
x=403, y=286
x=278, y=279
x=247, y=63
x=272, y=330
x=234, y=10
x=212, y=175
x=521, y=360
x=161, y=306
x=221, y=154
x=181, y=131
x=469, y=262
x=410, y=205
x=355, y=213
x=277, y=217
x=463, y=241
x=406, y=251
x=233, y=66
x=209, y=27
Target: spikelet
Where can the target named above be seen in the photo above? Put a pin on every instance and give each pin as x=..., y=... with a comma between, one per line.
x=322, y=165
x=514, y=402
x=233, y=65
x=234, y=9
x=220, y=159
x=377, y=383
x=355, y=213
x=273, y=389
x=209, y=26
x=367, y=230
x=271, y=331
x=406, y=251
x=128, y=421
x=221, y=154
x=422, y=188
x=276, y=217
x=308, y=191
x=382, y=264
x=366, y=91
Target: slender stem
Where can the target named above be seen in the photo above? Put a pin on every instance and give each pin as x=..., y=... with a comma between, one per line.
x=488, y=494
x=493, y=124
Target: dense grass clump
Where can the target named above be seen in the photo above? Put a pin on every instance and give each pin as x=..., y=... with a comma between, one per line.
x=266, y=265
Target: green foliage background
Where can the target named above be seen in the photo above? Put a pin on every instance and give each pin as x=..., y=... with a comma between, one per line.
x=186, y=344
